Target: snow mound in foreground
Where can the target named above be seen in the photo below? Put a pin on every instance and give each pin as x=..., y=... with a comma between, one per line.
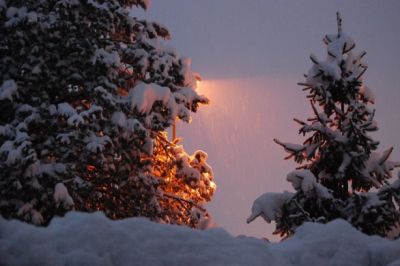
x=93, y=239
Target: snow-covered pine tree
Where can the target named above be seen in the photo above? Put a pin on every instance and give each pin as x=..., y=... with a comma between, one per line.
x=338, y=163
x=86, y=91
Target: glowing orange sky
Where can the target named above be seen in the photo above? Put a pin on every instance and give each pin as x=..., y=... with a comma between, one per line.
x=237, y=129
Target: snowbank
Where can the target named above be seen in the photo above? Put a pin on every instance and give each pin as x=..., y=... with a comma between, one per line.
x=92, y=239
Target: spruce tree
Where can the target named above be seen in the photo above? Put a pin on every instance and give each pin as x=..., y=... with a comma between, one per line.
x=340, y=174
x=86, y=93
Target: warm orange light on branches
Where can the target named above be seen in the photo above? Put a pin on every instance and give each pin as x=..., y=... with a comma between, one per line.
x=123, y=91
x=90, y=168
x=183, y=193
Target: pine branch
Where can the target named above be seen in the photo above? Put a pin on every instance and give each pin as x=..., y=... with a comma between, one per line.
x=339, y=23
x=385, y=156
x=348, y=49
x=332, y=55
x=314, y=59
x=394, y=193
x=174, y=197
x=307, y=214
x=303, y=84
x=299, y=122
x=323, y=122
x=362, y=73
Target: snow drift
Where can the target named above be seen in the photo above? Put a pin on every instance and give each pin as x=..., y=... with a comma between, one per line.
x=93, y=239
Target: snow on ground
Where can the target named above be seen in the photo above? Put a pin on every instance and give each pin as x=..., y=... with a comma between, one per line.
x=92, y=239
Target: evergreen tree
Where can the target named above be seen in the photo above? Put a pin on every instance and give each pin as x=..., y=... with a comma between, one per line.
x=86, y=92
x=338, y=162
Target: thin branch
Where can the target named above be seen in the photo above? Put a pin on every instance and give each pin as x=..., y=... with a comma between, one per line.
x=339, y=23
x=302, y=210
x=184, y=200
x=299, y=121
x=362, y=73
x=386, y=156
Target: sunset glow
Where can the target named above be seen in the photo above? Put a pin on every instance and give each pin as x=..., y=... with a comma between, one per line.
x=271, y=101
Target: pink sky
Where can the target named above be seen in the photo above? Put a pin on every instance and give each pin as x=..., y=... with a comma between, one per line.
x=251, y=54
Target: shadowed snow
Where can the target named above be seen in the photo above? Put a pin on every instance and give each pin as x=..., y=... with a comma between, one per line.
x=93, y=239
